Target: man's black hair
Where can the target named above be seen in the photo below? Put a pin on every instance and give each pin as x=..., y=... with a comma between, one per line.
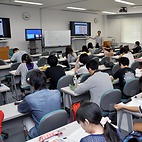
x=93, y=64
x=124, y=61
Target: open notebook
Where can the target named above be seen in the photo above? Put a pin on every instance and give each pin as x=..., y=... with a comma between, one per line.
x=76, y=135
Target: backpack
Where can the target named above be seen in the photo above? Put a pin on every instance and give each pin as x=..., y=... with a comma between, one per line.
x=74, y=108
x=134, y=136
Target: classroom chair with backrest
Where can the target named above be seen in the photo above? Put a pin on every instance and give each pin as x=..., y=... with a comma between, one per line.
x=84, y=77
x=10, y=52
x=52, y=120
x=108, y=100
x=131, y=87
x=64, y=81
x=53, y=53
x=45, y=53
x=2, y=62
x=42, y=61
x=135, y=65
x=104, y=59
x=91, y=56
x=115, y=69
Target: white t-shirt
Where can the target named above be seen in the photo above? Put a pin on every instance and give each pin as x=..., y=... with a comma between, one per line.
x=99, y=40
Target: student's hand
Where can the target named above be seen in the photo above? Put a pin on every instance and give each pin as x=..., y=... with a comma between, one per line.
x=119, y=106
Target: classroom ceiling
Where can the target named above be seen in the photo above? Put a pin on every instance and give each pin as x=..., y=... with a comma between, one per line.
x=92, y=6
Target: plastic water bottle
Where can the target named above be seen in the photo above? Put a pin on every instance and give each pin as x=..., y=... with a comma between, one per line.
x=75, y=80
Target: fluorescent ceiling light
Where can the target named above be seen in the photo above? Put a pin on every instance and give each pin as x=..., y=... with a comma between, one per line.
x=76, y=8
x=125, y=2
x=28, y=2
x=107, y=12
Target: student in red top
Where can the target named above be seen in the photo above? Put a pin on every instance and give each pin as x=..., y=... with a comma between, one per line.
x=1, y=119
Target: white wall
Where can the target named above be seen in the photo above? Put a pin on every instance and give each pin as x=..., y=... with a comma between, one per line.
x=114, y=26
x=45, y=19
x=59, y=20
x=18, y=25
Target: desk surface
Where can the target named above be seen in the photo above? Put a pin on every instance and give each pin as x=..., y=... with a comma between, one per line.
x=35, y=55
x=72, y=132
x=10, y=111
x=7, y=66
x=4, y=88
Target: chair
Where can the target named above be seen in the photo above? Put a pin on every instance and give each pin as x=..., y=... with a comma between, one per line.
x=52, y=121
x=45, y=53
x=84, y=77
x=2, y=62
x=109, y=98
x=91, y=56
x=64, y=81
x=131, y=87
x=103, y=60
x=42, y=61
x=53, y=52
x=14, y=66
x=115, y=69
x=135, y=65
x=10, y=52
x=107, y=102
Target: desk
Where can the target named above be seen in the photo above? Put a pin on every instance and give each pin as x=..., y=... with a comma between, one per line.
x=72, y=132
x=99, y=55
x=4, y=70
x=3, y=90
x=70, y=97
x=124, y=117
x=8, y=61
x=115, y=57
x=35, y=56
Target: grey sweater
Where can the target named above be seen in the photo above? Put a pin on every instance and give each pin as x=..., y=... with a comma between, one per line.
x=97, y=84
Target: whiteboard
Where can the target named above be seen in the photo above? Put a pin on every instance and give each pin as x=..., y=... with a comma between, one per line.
x=57, y=38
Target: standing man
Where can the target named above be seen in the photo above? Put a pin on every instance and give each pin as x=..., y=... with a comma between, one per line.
x=99, y=40
x=16, y=57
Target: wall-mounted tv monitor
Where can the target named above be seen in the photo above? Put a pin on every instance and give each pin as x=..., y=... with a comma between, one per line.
x=33, y=34
x=5, y=31
x=80, y=28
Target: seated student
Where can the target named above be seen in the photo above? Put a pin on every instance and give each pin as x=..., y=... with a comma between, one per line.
x=137, y=47
x=137, y=125
x=125, y=52
x=89, y=116
x=84, y=59
x=108, y=52
x=70, y=55
x=39, y=103
x=85, y=50
x=54, y=72
x=124, y=74
x=16, y=57
x=97, y=84
x=91, y=48
x=23, y=69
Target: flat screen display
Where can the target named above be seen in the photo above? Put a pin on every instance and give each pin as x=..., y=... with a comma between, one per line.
x=80, y=28
x=33, y=34
x=5, y=31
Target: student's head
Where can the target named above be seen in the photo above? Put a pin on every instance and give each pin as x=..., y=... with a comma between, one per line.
x=52, y=60
x=108, y=48
x=84, y=59
x=87, y=114
x=137, y=43
x=15, y=50
x=26, y=58
x=85, y=49
x=99, y=33
x=92, y=66
x=123, y=61
x=90, y=45
x=126, y=48
x=37, y=79
x=69, y=50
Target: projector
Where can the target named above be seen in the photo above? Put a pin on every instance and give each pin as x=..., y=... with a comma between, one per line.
x=123, y=9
